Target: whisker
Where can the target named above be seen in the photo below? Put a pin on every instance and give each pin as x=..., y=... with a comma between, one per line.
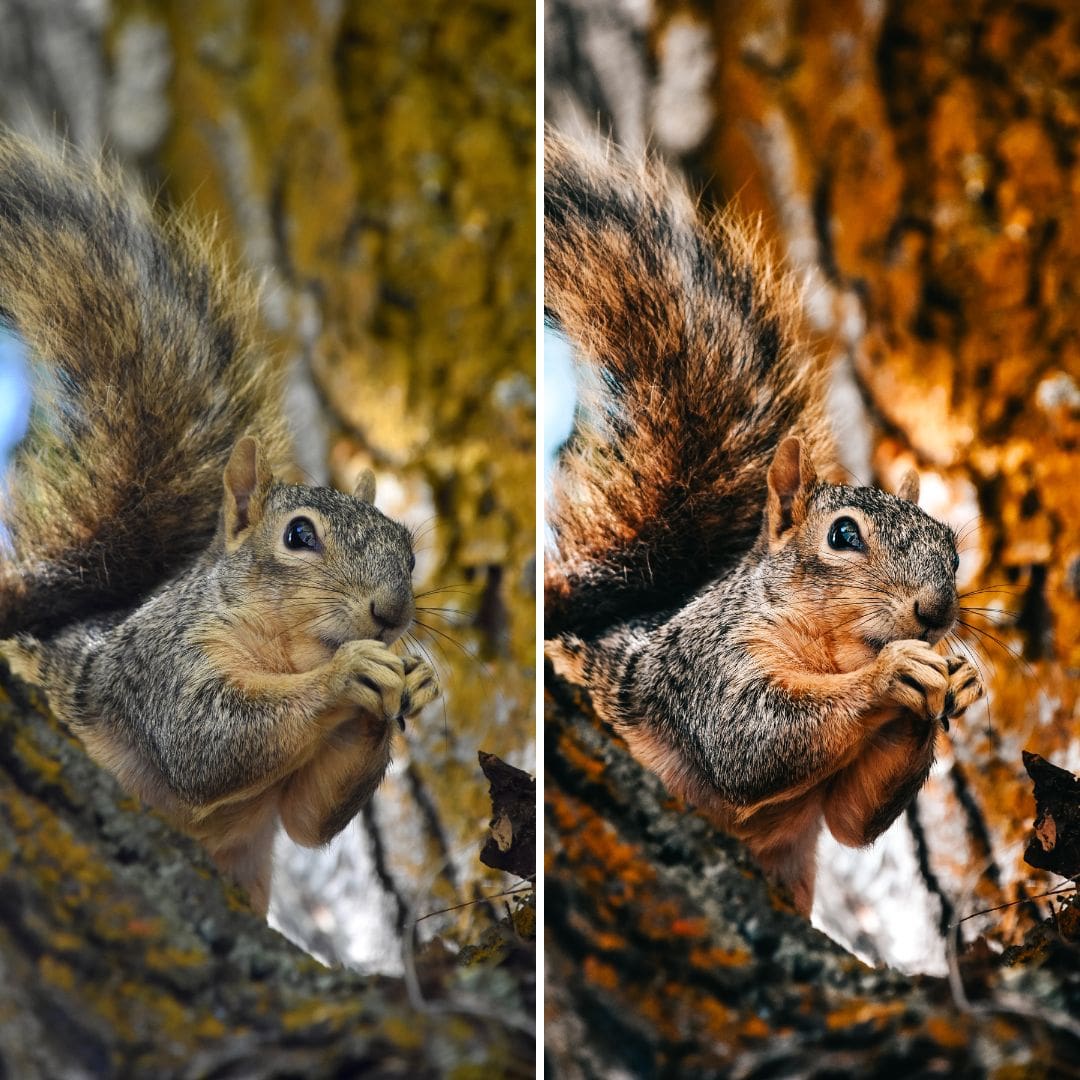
x=990, y=613
x=410, y=637
x=991, y=589
x=1013, y=654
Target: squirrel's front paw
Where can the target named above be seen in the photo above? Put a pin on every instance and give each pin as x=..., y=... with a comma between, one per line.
x=965, y=688
x=914, y=676
x=372, y=676
x=421, y=686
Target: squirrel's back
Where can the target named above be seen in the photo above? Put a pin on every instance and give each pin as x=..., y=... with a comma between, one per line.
x=694, y=372
x=142, y=349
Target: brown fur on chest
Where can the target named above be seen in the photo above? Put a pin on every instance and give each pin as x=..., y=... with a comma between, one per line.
x=263, y=637
x=808, y=643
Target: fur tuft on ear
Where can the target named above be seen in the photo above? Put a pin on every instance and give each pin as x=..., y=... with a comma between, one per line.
x=247, y=483
x=790, y=479
x=365, y=487
x=909, y=487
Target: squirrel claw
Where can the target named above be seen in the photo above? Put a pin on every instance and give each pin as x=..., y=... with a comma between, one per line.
x=401, y=722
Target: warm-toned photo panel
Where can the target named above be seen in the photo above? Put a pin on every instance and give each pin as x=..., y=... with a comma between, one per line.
x=812, y=541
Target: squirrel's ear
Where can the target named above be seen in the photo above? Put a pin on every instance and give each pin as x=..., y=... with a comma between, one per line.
x=909, y=487
x=791, y=477
x=365, y=487
x=247, y=482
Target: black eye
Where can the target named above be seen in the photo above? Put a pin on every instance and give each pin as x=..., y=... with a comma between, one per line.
x=844, y=533
x=412, y=563
x=955, y=561
x=300, y=533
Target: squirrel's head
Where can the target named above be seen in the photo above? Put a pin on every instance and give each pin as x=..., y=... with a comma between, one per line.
x=335, y=568
x=887, y=567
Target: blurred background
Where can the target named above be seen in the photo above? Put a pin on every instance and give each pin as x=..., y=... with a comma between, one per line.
x=917, y=164
x=374, y=165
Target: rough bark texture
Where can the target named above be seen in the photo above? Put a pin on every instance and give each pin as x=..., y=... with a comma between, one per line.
x=667, y=955
x=374, y=163
x=917, y=162
x=122, y=953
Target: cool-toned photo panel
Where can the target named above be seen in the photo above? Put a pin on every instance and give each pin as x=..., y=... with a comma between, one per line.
x=267, y=539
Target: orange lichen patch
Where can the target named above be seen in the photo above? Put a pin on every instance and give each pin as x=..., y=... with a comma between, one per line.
x=753, y=1027
x=686, y=927
x=946, y=1032
x=584, y=762
x=622, y=864
x=60, y=857
x=143, y=928
x=600, y=973
x=877, y=1013
x=664, y=920
x=716, y=1019
x=171, y=958
x=569, y=813
x=709, y=957
x=209, y=1027
x=592, y=844
x=608, y=941
x=26, y=749
x=658, y=1004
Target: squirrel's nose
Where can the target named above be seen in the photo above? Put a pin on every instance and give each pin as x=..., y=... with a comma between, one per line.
x=935, y=612
x=391, y=611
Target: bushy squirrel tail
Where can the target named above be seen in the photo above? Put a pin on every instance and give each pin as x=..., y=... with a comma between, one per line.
x=693, y=370
x=145, y=369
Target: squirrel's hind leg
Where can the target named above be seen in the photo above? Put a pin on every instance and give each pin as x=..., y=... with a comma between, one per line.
x=794, y=863
x=323, y=796
x=867, y=796
x=326, y=793
x=250, y=863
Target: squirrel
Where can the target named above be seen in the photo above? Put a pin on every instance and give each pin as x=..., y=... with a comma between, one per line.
x=217, y=637
x=760, y=634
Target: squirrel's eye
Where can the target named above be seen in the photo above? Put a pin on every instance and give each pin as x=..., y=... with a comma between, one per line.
x=412, y=563
x=844, y=533
x=955, y=561
x=300, y=533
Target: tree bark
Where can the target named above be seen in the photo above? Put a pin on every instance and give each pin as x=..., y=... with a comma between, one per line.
x=123, y=953
x=668, y=955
